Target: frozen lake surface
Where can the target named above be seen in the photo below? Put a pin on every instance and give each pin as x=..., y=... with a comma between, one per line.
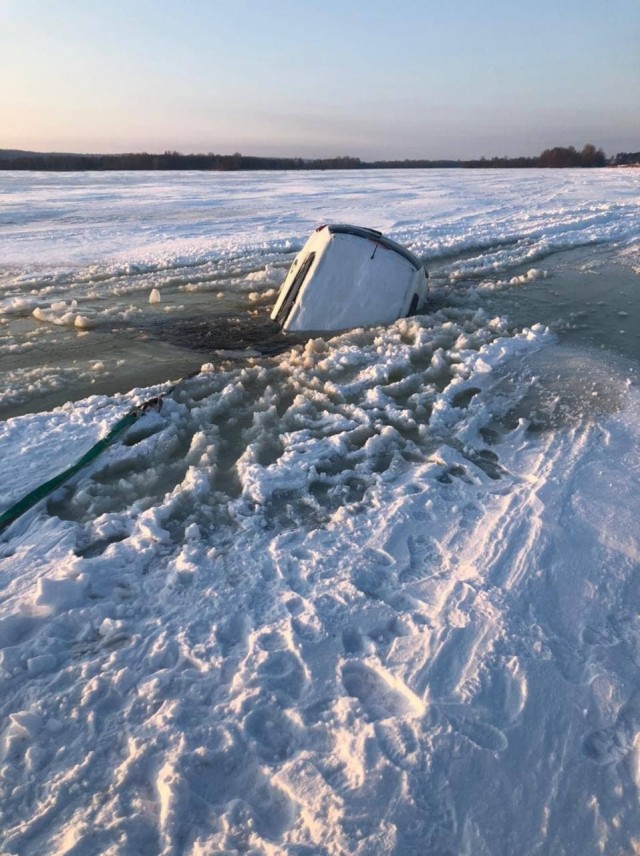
x=370, y=593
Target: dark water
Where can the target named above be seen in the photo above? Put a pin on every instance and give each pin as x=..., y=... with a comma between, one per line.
x=588, y=298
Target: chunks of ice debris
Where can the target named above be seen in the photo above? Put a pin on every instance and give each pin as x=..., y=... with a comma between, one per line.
x=150, y=528
x=23, y=725
x=192, y=532
x=60, y=312
x=154, y=297
x=41, y=664
x=111, y=627
x=27, y=721
x=124, y=679
x=17, y=306
x=64, y=314
x=59, y=595
x=84, y=322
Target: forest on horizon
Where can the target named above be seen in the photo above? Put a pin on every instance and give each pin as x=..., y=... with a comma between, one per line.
x=558, y=157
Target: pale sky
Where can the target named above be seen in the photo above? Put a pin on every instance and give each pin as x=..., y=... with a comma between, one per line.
x=372, y=79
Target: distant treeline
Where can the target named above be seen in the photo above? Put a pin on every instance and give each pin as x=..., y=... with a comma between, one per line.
x=557, y=157
x=627, y=159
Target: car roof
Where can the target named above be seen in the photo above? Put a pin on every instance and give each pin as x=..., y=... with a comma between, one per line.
x=372, y=235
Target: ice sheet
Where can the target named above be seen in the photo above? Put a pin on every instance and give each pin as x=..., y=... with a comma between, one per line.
x=376, y=594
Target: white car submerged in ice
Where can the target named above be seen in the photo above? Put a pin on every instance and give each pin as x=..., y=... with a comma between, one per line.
x=349, y=276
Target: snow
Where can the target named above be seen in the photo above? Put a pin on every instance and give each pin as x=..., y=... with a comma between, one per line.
x=375, y=594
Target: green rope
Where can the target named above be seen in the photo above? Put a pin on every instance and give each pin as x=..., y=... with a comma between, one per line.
x=19, y=508
x=22, y=505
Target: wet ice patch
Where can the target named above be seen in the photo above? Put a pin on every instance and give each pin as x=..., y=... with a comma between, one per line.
x=210, y=248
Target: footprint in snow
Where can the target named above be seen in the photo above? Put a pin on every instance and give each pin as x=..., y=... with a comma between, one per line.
x=490, y=435
x=488, y=462
x=357, y=642
x=224, y=780
x=231, y=631
x=400, y=743
x=600, y=633
x=372, y=581
x=273, y=731
x=571, y=660
x=454, y=471
x=353, y=641
x=380, y=693
x=284, y=672
x=607, y=745
x=484, y=736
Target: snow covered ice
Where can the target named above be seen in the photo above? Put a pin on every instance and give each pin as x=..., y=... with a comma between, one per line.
x=376, y=593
